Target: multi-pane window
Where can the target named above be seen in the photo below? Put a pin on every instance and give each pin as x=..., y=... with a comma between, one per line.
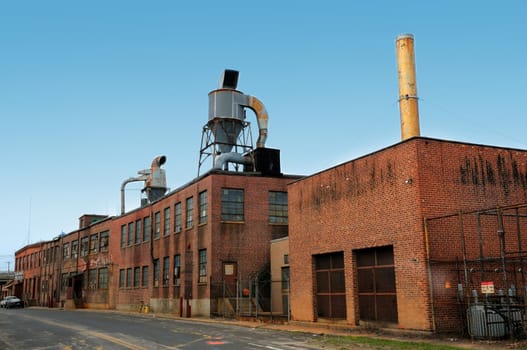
x=232, y=202
x=156, y=273
x=103, y=278
x=278, y=207
x=166, y=271
x=202, y=202
x=129, y=277
x=166, y=223
x=202, y=266
x=144, y=282
x=177, y=269
x=190, y=212
x=74, y=249
x=92, y=278
x=138, y=233
x=123, y=236
x=157, y=224
x=105, y=239
x=177, y=217
x=285, y=277
x=84, y=246
x=131, y=233
x=94, y=243
x=147, y=227
x=137, y=276
x=66, y=251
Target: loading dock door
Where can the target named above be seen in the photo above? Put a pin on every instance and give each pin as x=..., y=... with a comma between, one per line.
x=331, y=291
x=376, y=277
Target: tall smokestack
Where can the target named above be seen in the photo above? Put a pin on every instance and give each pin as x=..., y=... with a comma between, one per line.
x=407, y=86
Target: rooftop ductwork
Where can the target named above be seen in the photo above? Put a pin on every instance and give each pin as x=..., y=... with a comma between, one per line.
x=224, y=134
x=155, y=181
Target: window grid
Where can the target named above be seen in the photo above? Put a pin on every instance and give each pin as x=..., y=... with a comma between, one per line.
x=177, y=217
x=166, y=224
x=202, y=202
x=190, y=212
x=157, y=224
x=278, y=207
x=202, y=266
x=232, y=204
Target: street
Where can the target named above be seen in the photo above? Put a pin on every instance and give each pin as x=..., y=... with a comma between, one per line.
x=39, y=328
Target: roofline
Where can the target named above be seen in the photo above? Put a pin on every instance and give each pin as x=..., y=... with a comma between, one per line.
x=412, y=139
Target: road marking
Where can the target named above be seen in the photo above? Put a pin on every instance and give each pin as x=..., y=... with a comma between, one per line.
x=265, y=346
x=95, y=334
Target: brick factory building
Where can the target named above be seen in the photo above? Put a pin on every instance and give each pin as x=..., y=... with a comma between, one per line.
x=393, y=239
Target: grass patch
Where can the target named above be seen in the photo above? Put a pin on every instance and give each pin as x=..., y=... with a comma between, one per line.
x=350, y=342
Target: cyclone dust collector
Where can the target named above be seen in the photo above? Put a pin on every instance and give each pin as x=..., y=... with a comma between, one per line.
x=227, y=137
x=155, y=182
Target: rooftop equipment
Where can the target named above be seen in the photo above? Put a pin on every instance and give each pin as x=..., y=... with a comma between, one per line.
x=155, y=182
x=227, y=135
x=407, y=86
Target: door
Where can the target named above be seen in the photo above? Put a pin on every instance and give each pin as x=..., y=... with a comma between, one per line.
x=376, y=277
x=330, y=286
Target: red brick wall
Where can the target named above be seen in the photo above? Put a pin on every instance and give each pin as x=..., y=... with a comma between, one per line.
x=382, y=199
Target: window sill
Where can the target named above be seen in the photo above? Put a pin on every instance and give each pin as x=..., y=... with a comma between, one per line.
x=233, y=222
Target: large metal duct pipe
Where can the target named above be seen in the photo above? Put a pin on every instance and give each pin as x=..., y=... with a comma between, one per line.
x=407, y=86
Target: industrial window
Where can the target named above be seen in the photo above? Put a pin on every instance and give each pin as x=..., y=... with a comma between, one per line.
x=202, y=202
x=285, y=278
x=166, y=271
x=157, y=224
x=84, y=246
x=277, y=207
x=190, y=213
x=202, y=266
x=376, y=284
x=232, y=202
x=64, y=281
x=147, y=227
x=166, y=224
x=137, y=276
x=156, y=273
x=92, y=279
x=74, y=249
x=66, y=251
x=177, y=269
x=103, y=243
x=123, y=236
x=129, y=277
x=177, y=217
x=94, y=243
x=144, y=282
x=131, y=233
x=103, y=278
x=330, y=286
x=138, y=233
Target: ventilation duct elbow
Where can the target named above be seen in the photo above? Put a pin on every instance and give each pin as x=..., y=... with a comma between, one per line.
x=261, y=117
x=222, y=159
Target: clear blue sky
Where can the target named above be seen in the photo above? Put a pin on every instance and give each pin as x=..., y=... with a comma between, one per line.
x=92, y=91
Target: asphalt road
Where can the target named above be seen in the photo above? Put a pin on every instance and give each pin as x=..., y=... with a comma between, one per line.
x=43, y=329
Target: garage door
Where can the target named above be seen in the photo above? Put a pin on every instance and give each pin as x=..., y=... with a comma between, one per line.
x=331, y=292
x=376, y=277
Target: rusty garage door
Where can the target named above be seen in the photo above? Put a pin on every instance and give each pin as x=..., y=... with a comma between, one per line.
x=376, y=277
x=331, y=292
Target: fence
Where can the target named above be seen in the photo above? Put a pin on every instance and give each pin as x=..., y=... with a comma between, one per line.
x=477, y=263
x=253, y=297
